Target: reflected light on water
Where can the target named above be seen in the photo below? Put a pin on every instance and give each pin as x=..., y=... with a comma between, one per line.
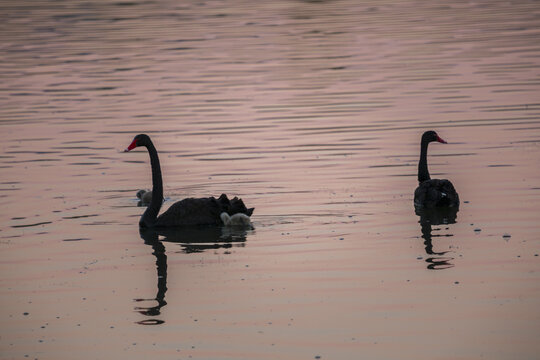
x=310, y=111
x=437, y=260
x=192, y=240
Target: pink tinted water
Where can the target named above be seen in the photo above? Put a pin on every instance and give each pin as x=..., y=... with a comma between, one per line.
x=311, y=112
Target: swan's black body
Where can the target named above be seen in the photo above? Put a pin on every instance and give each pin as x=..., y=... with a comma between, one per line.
x=432, y=193
x=191, y=211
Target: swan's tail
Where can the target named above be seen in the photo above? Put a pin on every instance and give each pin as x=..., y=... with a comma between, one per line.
x=234, y=206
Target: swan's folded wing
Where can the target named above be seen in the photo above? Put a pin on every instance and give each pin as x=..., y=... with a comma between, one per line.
x=436, y=193
x=191, y=211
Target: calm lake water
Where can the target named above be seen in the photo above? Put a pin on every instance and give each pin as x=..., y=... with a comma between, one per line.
x=312, y=112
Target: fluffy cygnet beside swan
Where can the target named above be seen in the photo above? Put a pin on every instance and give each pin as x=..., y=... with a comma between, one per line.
x=145, y=197
x=238, y=220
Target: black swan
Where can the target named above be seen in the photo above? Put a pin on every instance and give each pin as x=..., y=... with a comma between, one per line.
x=190, y=211
x=432, y=193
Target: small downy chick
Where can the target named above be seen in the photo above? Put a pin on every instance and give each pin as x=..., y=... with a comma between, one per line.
x=145, y=197
x=238, y=220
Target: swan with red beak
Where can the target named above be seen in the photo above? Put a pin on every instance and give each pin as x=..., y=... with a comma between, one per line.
x=190, y=211
x=432, y=193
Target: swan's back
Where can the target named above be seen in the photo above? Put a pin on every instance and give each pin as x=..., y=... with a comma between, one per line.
x=191, y=211
x=201, y=211
x=436, y=193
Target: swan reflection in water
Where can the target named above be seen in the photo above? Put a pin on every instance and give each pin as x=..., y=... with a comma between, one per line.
x=192, y=240
x=437, y=260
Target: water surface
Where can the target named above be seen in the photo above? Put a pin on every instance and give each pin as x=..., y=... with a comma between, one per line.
x=312, y=112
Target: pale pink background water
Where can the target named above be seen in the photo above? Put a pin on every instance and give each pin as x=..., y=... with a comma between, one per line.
x=311, y=112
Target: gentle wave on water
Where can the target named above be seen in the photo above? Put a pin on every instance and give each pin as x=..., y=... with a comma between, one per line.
x=310, y=111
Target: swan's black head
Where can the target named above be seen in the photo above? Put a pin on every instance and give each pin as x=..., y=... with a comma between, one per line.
x=139, y=140
x=430, y=136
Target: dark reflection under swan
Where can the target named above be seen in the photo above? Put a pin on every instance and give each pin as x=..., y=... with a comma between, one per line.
x=437, y=260
x=192, y=240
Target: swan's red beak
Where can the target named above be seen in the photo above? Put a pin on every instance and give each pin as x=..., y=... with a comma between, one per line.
x=131, y=146
x=438, y=139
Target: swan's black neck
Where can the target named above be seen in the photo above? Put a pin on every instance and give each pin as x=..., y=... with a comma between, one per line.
x=423, y=173
x=148, y=219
